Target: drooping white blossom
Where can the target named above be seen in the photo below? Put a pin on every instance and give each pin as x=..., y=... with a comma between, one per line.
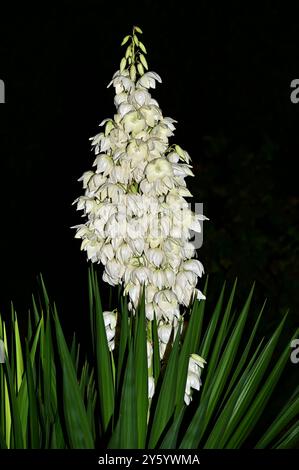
x=110, y=321
x=196, y=364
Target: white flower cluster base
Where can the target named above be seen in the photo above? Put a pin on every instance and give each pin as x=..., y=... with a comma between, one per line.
x=138, y=221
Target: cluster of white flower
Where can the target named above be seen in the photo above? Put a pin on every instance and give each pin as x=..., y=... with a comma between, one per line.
x=138, y=220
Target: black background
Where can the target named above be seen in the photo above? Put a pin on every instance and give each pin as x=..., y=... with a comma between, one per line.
x=226, y=70
x=231, y=458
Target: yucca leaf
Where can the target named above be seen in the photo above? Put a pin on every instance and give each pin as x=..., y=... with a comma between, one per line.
x=220, y=338
x=29, y=327
x=83, y=380
x=5, y=416
x=141, y=372
x=225, y=364
x=73, y=350
x=2, y=395
x=57, y=435
x=286, y=415
x=196, y=428
x=35, y=340
x=210, y=400
x=49, y=378
x=249, y=389
x=7, y=410
x=23, y=404
x=79, y=433
x=50, y=422
x=214, y=440
x=2, y=441
x=126, y=432
x=156, y=353
x=260, y=401
x=45, y=293
x=22, y=397
x=91, y=396
x=33, y=407
x=18, y=442
x=103, y=360
x=291, y=439
x=171, y=437
x=207, y=341
x=167, y=395
x=244, y=356
x=35, y=311
x=21, y=382
x=190, y=345
x=123, y=339
x=18, y=352
x=221, y=428
x=91, y=306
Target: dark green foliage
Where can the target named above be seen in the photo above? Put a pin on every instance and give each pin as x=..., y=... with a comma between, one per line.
x=54, y=396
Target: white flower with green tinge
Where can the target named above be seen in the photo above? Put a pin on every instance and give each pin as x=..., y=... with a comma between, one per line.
x=195, y=366
x=110, y=321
